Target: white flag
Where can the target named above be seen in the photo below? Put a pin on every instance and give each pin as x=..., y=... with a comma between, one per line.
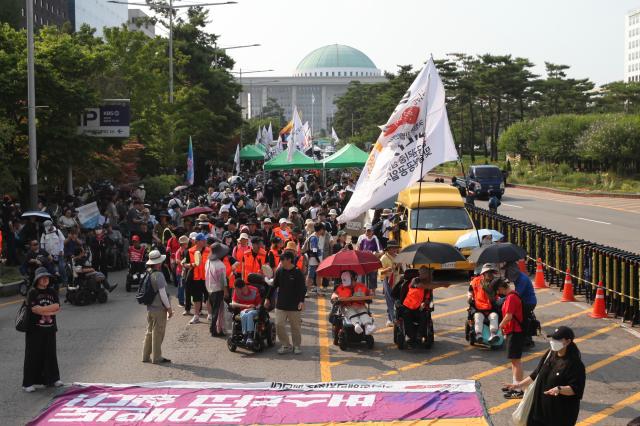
x=334, y=135
x=296, y=138
x=416, y=138
x=236, y=159
x=258, y=136
x=279, y=148
x=270, y=135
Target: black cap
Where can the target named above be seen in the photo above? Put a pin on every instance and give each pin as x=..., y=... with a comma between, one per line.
x=562, y=333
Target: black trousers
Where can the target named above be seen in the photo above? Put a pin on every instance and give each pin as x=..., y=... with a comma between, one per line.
x=187, y=283
x=216, y=301
x=40, y=359
x=409, y=316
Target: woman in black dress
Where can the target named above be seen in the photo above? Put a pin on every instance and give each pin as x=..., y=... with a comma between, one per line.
x=40, y=358
x=560, y=382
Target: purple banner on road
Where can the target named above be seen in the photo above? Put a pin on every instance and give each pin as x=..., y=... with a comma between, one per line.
x=170, y=403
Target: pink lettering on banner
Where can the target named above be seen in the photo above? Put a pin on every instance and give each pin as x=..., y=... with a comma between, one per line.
x=103, y=405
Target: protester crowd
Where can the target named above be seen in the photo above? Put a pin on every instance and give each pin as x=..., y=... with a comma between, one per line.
x=222, y=244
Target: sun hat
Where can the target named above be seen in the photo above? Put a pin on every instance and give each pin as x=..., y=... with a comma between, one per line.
x=40, y=272
x=203, y=218
x=282, y=220
x=293, y=209
x=291, y=246
x=155, y=257
x=266, y=220
x=243, y=236
x=219, y=250
x=386, y=212
x=488, y=267
x=333, y=212
x=193, y=235
x=183, y=239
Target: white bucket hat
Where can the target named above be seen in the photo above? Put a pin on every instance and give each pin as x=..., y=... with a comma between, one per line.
x=155, y=257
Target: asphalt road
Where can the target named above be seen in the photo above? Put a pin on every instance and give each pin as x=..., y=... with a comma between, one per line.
x=609, y=221
x=102, y=343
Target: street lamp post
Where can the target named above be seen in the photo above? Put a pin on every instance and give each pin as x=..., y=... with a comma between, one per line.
x=31, y=113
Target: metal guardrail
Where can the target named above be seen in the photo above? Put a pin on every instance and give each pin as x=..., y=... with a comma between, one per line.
x=589, y=263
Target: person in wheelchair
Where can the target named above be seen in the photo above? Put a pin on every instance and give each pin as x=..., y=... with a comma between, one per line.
x=85, y=271
x=482, y=303
x=356, y=313
x=414, y=303
x=247, y=301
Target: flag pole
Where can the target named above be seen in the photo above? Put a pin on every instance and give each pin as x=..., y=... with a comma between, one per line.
x=424, y=141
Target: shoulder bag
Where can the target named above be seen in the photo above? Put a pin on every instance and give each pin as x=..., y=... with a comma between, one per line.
x=23, y=317
x=521, y=415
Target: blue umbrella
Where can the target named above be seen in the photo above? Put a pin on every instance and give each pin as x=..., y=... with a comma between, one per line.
x=470, y=239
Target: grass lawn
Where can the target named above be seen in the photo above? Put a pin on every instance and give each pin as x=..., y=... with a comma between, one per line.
x=9, y=274
x=559, y=176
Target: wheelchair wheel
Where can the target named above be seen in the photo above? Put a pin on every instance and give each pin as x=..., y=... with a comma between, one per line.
x=429, y=338
x=127, y=285
x=398, y=336
x=469, y=334
x=102, y=296
x=370, y=342
x=232, y=346
x=342, y=340
x=271, y=335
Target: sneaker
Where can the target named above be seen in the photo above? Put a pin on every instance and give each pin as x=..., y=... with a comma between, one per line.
x=58, y=384
x=249, y=342
x=514, y=394
x=162, y=361
x=297, y=350
x=494, y=338
x=187, y=314
x=313, y=290
x=195, y=320
x=29, y=389
x=389, y=323
x=284, y=350
x=357, y=328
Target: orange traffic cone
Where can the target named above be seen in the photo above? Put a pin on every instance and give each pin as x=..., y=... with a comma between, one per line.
x=567, y=290
x=522, y=264
x=539, y=281
x=599, y=310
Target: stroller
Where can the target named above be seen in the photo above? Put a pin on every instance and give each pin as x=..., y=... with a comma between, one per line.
x=265, y=329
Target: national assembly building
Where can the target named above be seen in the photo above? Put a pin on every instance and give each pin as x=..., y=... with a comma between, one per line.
x=321, y=77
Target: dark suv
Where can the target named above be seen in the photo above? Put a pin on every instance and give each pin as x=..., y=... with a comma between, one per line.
x=489, y=178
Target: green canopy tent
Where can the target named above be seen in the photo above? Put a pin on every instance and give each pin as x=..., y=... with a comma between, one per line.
x=299, y=161
x=347, y=156
x=251, y=153
x=260, y=147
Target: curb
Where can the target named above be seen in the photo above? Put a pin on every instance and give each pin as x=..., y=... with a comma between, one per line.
x=625, y=195
x=9, y=289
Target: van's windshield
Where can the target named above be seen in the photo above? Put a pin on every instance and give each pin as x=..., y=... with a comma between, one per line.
x=487, y=173
x=441, y=218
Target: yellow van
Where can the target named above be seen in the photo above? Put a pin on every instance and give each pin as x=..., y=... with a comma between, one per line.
x=437, y=214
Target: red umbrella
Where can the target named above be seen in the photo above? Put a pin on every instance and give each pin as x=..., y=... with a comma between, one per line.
x=196, y=211
x=361, y=262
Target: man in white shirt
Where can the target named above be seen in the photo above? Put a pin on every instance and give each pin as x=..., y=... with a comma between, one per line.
x=52, y=241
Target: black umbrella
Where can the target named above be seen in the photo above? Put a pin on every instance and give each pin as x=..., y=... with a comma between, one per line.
x=496, y=253
x=426, y=253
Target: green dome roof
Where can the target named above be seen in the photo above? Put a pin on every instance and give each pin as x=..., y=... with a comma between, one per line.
x=335, y=56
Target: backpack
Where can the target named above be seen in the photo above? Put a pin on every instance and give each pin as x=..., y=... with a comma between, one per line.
x=146, y=293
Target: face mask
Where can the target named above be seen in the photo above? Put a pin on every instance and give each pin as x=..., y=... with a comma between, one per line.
x=556, y=345
x=346, y=279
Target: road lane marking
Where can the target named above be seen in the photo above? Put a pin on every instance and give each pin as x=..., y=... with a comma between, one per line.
x=466, y=348
x=512, y=205
x=590, y=369
x=612, y=358
x=594, y=221
x=13, y=302
x=323, y=340
x=448, y=299
x=601, y=415
x=534, y=355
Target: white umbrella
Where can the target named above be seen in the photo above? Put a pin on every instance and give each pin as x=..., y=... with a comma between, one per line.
x=470, y=239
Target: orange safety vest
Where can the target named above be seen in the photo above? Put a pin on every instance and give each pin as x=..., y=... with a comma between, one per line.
x=480, y=297
x=415, y=297
x=240, y=250
x=278, y=233
x=252, y=264
x=198, y=271
x=231, y=278
x=276, y=257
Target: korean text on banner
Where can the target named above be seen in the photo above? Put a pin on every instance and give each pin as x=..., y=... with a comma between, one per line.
x=89, y=215
x=190, y=165
x=415, y=139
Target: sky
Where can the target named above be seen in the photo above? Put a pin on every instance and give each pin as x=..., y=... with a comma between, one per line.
x=587, y=35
